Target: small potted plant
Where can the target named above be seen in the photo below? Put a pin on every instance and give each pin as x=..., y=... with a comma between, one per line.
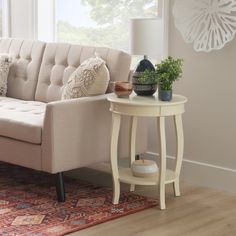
x=168, y=71
x=145, y=83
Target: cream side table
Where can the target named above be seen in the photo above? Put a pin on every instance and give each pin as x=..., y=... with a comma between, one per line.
x=139, y=106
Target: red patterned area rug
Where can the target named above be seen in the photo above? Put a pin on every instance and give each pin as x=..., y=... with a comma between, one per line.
x=28, y=205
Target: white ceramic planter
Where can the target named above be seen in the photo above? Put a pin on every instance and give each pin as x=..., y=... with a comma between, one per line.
x=144, y=168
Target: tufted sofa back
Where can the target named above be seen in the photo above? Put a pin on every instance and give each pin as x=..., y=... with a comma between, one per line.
x=23, y=75
x=60, y=60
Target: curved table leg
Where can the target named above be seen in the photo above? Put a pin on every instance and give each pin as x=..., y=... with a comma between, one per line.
x=179, y=151
x=133, y=130
x=114, y=159
x=162, y=174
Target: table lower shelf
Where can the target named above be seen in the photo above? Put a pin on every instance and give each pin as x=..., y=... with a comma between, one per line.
x=126, y=176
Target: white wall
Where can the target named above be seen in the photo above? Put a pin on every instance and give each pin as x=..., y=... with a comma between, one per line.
x=22, y=19
x=46, y=20
x=209, y=82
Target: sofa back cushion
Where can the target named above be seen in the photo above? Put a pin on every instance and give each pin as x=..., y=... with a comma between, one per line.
x=60, y=60
x=23, y=74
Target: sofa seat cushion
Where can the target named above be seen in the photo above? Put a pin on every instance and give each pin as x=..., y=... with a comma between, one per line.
x=21, y=120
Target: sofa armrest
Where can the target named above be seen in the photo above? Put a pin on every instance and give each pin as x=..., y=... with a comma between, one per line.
x=77, y=133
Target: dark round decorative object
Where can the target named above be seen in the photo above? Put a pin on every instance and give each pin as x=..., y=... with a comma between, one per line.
x=165, y=95
x=143, y=65
x=145, y=89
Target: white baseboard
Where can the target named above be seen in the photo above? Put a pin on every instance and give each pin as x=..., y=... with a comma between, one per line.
x=203, y=174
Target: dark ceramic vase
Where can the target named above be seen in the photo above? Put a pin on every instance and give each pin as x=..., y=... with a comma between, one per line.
x=165, y=95
x=143, y=89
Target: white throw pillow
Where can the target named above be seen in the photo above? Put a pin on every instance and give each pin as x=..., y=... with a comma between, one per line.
x=5, y=62
x=89, y=79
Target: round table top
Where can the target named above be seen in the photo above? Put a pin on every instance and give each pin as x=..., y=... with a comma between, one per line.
x=136, y=100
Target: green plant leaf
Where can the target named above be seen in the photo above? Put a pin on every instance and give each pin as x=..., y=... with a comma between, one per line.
x=147, y=77
x=168, y=71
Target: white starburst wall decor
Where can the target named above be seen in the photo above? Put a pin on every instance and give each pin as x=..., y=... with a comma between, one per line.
x=208, y=24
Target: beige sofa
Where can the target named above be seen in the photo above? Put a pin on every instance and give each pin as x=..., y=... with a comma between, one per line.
x=42, y=132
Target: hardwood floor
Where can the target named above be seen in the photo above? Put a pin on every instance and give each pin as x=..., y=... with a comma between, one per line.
x=199, y=212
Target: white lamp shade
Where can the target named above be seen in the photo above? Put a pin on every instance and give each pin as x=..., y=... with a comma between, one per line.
x=146, y=36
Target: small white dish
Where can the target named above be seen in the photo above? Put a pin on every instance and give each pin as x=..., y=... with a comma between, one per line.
x=144, y=168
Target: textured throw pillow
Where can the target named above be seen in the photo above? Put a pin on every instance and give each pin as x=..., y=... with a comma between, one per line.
x=5, y=61
x=89, y=79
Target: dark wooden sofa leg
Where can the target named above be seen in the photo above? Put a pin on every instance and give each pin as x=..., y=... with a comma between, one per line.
x=60, y=187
